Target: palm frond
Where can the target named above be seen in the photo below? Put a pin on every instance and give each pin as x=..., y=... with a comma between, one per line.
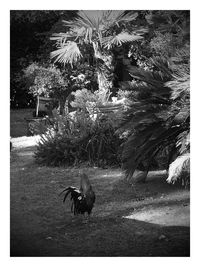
x=155, y=119
x=87, y=21
x=182, y=55
x=68, y=53
x=150, y=99
x=119, y=39
x=179, y=169
x=153, y=78
x=117, y=16
x=183, y=142
x=98, y=21
x=60, y=37
x=146, y=143
x=180, y=85
x=91, y=26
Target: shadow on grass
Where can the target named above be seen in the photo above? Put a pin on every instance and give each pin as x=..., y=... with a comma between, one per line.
x=108, y=236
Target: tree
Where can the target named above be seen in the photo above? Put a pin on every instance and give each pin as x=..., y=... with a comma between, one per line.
x=29, y=42
x=101, y=31
x=159, y=117
x=168, y=30
x=157, y=123
x=49, y=81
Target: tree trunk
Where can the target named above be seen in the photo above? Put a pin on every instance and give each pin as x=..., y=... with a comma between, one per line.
x=104, y=86
x=104, y=72
x=63, y=106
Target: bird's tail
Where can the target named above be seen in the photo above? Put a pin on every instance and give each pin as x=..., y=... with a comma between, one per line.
x=75, y=193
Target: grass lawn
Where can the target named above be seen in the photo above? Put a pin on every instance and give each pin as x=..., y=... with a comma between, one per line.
x=18, y=124
x=150, y=219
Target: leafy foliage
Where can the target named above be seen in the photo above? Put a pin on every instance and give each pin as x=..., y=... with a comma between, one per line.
x=29, y=42
x=88, y=101
x=94, y=27
x=162, y=44
x=85, y=135
x=159, y=115
x=179, y=170
x=80, y=139
x=168, y=31
x=100, y=30
x=43, y=80
x=67, y=54
x=50, y=81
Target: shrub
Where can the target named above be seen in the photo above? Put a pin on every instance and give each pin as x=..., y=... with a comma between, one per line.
x=80, y=138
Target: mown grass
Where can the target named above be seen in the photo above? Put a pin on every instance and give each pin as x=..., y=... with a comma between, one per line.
x=41, y=225
x=18, y=124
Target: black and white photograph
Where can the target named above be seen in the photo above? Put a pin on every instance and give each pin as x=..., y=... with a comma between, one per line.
x=99, y=133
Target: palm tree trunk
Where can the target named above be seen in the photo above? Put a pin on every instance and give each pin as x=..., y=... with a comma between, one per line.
x=104, y=71
x=104, y=86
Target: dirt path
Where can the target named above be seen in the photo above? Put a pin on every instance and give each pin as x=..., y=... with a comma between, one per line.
x=150, y=219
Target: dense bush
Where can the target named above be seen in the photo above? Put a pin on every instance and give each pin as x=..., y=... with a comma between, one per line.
x=80, y=138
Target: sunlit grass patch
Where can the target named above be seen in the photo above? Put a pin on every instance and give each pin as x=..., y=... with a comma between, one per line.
x=25, y=141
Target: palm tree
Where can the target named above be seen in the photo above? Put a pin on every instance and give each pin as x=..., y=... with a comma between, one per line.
x=100, y=30
x=159, y=117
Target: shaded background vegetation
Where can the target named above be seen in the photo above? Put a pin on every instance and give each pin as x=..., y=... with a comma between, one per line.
x=29, y=42
x=140, y=58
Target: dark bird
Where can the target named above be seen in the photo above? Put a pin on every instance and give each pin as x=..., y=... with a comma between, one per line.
x=82, y=199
